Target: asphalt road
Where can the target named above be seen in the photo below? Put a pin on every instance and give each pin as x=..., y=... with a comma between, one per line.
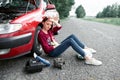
x=105, y=38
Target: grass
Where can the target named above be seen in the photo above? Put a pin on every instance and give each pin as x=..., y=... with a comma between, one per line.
x=114, y=21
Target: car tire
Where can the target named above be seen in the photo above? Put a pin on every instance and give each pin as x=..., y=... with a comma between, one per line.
x=37, y=48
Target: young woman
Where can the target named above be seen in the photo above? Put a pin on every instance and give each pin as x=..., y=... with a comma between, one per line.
x=52, y=48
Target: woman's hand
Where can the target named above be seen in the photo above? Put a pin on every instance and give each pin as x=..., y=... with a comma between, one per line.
x=55, y=22
x=55, y=44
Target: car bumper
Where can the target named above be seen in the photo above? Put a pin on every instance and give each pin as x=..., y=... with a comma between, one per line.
x=6, y=43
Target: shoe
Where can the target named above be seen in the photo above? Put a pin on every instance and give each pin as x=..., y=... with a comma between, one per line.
x=92, y=50
x=93, y=61
x=87, y=52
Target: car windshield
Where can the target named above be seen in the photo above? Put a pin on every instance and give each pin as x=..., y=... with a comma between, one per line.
x=18, y=4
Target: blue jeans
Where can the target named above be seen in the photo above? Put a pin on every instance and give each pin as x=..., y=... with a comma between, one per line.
x=69, y=41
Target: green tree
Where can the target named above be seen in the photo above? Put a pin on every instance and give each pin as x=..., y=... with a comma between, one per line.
x=99, y=15
x=63, y=7
x=114, y=9
x=106, y=12
x=80, y=12
x=110, y=11
x=119, y=11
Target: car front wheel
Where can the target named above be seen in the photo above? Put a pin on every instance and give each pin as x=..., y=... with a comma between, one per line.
x=37, y=46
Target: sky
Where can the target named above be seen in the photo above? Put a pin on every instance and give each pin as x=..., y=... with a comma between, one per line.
x=92, y=7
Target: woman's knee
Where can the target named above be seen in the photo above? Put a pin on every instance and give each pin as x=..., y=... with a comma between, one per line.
x=72, y=36
x=71, y=40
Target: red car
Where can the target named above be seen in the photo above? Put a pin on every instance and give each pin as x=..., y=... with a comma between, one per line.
x=19, y=25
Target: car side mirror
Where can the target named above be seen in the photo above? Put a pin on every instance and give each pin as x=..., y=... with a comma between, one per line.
x=50, y=6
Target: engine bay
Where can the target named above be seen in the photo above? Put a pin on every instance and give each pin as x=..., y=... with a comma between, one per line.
x=10, y=9
x=10, y=13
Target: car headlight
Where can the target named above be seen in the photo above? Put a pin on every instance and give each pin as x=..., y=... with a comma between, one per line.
x=9, y=28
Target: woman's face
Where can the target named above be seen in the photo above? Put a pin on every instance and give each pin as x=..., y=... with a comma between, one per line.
x=47, y=25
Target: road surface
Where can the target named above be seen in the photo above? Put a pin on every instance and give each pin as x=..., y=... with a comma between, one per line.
x=105, y=38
